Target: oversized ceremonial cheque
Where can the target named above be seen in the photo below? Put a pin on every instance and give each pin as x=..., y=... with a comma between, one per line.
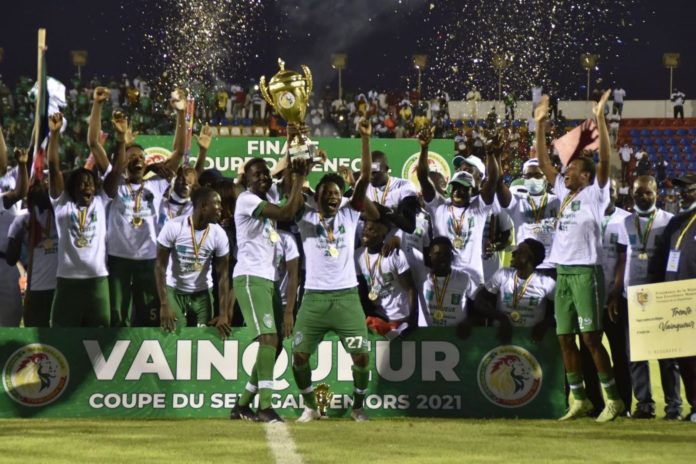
x=145, y=373
x=228, y=154
x=662, y=320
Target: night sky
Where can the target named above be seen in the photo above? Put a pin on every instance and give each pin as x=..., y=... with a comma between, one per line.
x=379, y=37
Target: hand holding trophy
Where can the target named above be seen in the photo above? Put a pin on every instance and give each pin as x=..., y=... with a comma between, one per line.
x=288, y=93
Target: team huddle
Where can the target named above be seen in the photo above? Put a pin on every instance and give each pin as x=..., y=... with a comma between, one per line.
x=126, y=244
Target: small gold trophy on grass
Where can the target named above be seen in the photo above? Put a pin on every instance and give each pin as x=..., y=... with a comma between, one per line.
x=324, y=396
x=288, y=93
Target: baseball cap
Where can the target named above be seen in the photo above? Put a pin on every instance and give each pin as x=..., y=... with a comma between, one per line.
x=463, y=178
x=685, y=180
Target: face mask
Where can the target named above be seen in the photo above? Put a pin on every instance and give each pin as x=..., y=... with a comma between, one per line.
x=535, y=186
x=461, y=146
x=641, y=211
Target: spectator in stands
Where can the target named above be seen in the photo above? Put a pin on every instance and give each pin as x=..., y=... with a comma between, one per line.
x=687, y=191
x=537, y=90
x=678, y=99
x=619, y=94
x=660, y=169
x=614, y=120
x=643, y=165
x=626, y=154
x=510, y=105
x=473, y=96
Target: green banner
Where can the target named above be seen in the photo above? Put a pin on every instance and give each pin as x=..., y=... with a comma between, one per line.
x=145, y=373
x=228, y=154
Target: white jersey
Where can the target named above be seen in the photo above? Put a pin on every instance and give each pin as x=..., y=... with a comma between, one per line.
x=472, y=220
x=7, y=216
x=451, y=307
x=626, y=153
x=330, y=265
x=256, y=238
x=534, y=217
x=170, y=209
x=285, y=250
x=531, y=307
x=391, y=296
x=44, y=266
x=637, y=268
x=413, y=245
x=611, y=226
x=396, y=190
x=125, y=240
x=181, y=272
x=578, y=239
x=81, y=262
x=492, y=264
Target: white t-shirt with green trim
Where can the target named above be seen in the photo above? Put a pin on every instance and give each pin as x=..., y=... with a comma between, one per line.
x=392, y=297
x=123, y=238
x=255, y=250
x=531, y=308
x=454, y=309
x=326, y=272
x=181, y=275
x=44, y=265
x=89, y=261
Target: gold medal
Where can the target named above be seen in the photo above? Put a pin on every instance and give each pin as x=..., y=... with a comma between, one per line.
x=373, y=295
x=137, y=221
x=81, y=242
x=458, y=243
x=438, y=315
x=333, y=251
x=643, y=256
x=273, y=236
x=48, y=245
x=197, y=267
x=515, y=316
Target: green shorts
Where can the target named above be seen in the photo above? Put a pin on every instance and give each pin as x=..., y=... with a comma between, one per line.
x=37, y=308
x=579, y=302
x=191, y=309
x=339, y=311
x=260, y=303
x=81, y=303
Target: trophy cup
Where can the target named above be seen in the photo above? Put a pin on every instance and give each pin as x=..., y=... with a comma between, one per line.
x=324, y=396
x=288, y=93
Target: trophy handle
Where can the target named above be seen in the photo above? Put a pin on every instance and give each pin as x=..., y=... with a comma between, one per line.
x=264, y=91
x=308, y=79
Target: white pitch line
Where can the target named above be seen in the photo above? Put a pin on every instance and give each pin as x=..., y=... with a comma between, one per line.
x=281, y=444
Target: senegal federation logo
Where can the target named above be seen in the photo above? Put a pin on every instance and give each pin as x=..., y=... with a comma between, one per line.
x=509, y=376
x=35, y=375
x=435, y=161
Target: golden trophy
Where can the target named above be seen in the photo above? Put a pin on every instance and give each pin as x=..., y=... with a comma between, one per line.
x=324, y=396
x=288, y=93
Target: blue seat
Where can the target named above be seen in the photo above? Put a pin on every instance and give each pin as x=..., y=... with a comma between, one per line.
x=636, y=133
x=692, y=131
x=656, y=132
x=668, y=132
x=659, y=141
x=691, y=166
x=651, y=149
x=671, y=141
x=647, y=141
x=661, y=149
x=689, y=157
x=681, y=131
x=683, y=141
x=635, y=141
x=645, y=133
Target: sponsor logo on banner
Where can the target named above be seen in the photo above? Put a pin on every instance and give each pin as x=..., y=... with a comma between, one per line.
x=435, y=161
x=509, y=376
x=35, y=375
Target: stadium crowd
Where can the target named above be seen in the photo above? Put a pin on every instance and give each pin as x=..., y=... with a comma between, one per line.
x=106, y=245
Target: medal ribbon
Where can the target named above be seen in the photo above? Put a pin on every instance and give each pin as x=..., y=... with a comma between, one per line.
x=329, y=232
x=384, y=195
x=457, y=224
x=644, y=237
x=373, y=270
x=683, y=232
x=137, y=197
x=517, y=296
x=169, y=209
x=197, y=246
x=538, y=212
x=440, y=294
x=565, y=204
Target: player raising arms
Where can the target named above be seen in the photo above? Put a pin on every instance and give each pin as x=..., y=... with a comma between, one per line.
x=331, y=301
x=576, y=251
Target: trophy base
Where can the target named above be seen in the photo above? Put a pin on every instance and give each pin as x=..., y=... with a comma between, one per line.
x=307, y=150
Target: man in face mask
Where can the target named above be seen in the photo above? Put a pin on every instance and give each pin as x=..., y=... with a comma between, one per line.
x=532, y=212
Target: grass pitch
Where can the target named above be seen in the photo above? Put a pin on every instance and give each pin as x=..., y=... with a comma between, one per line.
x=343, y=441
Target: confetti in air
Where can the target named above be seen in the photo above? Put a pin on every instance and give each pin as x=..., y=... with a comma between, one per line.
x=533, y=41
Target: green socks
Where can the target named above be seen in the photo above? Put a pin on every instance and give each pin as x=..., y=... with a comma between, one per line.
x=577, y=386
x=265, y=361
x=361, y=377
x=303, y=379
x=250, y=389
x=609, y=385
